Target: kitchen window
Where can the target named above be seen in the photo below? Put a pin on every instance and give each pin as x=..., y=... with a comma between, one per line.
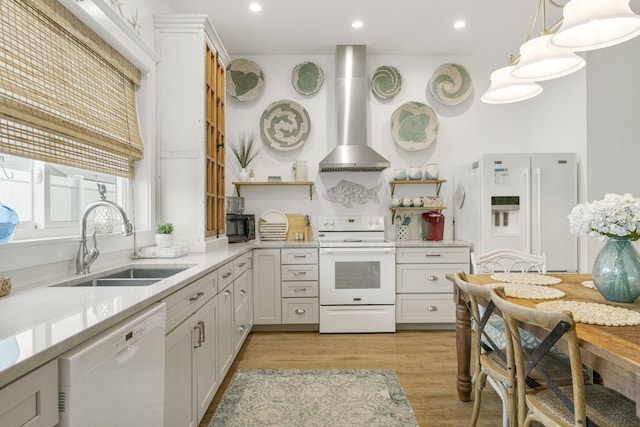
x=50, y=198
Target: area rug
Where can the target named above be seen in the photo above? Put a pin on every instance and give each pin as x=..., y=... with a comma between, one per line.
x=314, y=398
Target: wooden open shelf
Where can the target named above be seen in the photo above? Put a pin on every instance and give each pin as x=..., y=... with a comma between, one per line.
x=241, y=184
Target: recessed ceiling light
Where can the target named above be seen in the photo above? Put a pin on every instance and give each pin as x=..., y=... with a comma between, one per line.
x=357, y=24
x=255, y=7
x=459, y=24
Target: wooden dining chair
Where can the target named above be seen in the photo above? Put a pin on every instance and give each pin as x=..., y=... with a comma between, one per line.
x=488, y=358
x=552, y=404
x=508, y=261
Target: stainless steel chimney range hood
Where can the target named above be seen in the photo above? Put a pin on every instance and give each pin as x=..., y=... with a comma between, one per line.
x=352, y=153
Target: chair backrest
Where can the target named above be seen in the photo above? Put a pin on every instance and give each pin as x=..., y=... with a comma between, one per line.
x=560, y=328
x=479, y=316
x=508, y=261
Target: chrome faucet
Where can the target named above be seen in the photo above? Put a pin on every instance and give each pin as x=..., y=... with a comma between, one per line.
x=85, y=258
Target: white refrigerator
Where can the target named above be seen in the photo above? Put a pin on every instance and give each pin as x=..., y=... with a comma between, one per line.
x=519, y=201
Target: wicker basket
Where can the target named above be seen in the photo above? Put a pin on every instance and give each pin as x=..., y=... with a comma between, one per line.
x=5, y=286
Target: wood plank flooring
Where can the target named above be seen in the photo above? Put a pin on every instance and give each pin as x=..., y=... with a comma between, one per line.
x=424, y=361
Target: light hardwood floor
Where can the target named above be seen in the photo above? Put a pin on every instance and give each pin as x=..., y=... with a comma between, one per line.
x=424, y=361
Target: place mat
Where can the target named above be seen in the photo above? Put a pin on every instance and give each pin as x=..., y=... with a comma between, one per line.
x=594, y=313
x=525, y=291
x=589, y=284
x=527, y=278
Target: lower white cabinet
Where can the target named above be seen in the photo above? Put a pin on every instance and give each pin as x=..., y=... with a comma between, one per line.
x=266, y=287
x=31, y=400
x=191, y=375
x=423, y=293
x=243, y=309
x=224, y=333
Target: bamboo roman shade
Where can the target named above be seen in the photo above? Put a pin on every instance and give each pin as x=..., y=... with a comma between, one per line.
x=66, y=96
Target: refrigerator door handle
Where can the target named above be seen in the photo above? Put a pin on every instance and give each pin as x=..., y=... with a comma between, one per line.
x=539, y=209
x=527, y=175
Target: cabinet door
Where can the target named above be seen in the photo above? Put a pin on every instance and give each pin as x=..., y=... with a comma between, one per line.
x=241, y=302
x=223, y=329
x=266, y=289
x=204, y=324
x=179, y=410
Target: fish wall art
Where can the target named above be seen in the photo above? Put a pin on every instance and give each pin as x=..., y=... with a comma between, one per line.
x=347, y=192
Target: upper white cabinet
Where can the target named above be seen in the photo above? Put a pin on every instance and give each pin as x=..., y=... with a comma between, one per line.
x=190, y=127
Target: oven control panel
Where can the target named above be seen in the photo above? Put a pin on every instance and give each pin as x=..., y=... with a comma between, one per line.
x=351, y=223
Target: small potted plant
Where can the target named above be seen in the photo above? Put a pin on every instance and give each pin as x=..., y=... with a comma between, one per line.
x=164, y=235
x=245, y=150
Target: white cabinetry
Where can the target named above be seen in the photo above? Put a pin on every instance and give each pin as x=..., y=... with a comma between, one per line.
x=266, y=287
x=31, y=400
x=191, y=378
x=423, y=293
x=299, y=271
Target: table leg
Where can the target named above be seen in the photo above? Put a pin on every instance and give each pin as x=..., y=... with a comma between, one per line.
x=463, y=346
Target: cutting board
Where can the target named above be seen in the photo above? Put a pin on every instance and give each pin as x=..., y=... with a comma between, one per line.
x=296, y=225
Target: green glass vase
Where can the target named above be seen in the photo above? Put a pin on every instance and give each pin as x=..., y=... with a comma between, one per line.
x=616, y=270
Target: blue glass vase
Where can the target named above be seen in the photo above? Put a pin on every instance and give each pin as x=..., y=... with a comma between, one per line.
x=8, y=223
x=616, y=271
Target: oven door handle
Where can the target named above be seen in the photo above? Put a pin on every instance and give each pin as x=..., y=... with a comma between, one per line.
x=358, y=250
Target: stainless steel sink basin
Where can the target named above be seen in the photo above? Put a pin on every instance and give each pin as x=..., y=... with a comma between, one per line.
x=130, y=276
x=118, y=282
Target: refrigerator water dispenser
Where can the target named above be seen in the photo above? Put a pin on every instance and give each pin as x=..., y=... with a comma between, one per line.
x=505, y=215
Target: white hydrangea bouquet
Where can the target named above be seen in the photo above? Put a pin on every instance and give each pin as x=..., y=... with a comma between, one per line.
x=614, y=216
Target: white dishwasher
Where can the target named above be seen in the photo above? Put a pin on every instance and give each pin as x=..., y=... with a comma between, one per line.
x=116, y=379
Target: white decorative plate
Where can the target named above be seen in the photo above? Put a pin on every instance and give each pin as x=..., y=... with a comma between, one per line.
x=274, y=217
x=386, y=82
x=414, y=126
x=307, y=78
x=245, y=80
x=285, y=125
x=451, y=84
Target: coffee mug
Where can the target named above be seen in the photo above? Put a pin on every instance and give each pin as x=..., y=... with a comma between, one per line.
x=396, y=201
x=407, y=202
x=400, y=174
x=432, y=171
x=415, y=173
x=417, y=202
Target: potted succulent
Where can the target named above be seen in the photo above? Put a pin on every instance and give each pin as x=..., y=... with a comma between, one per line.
x=245, y=150
x=164, y=235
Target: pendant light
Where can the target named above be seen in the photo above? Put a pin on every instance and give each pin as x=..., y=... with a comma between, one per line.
x=540, y=60
x=594, y=24
x=505, y=88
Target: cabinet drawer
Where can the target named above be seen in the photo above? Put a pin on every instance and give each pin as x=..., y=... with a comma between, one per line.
x=299, y=256
x=181, y=304
x=299, y=289
x=241, y=264
x=300, y=272
x=425, y=308
x=435, y=255
x=300, y=310
x=240, y=292
x=31, y=400
x=421, y=278
x=225, y=275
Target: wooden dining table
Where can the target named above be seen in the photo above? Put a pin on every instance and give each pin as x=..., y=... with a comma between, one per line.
x=613, y=352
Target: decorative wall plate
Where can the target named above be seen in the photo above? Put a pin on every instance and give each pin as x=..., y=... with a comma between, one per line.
x=285, y=125
x=414, y=126
x=450, y=84
x=307, y=78
x=245, y=80
x=386, y=82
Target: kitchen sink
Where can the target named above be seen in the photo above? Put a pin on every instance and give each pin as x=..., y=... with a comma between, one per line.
x=130, y=276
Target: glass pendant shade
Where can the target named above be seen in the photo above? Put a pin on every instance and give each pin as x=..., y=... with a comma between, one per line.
x=539, y=60
x=594, y=24
x=505, y=89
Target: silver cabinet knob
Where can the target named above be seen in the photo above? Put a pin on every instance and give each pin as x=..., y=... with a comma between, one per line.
x=432, y=308
x=300, y=311
x=432, y=278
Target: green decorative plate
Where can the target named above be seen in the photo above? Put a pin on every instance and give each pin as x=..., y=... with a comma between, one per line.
x=307, y=78
x=285, y=125
x=414, y=126
x=386, y=82
x=245, y=80
x=451, y=84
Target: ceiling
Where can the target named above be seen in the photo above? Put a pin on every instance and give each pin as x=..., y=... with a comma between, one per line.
x=391, y=27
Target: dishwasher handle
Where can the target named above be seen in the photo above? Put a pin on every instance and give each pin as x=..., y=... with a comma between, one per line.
x=126, y=353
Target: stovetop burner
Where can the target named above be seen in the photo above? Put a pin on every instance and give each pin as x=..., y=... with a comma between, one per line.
x=352, y=231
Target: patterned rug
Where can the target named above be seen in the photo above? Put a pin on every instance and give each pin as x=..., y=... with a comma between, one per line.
x=314, y=398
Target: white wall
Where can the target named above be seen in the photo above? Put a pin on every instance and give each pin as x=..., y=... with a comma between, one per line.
x=466, y=131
